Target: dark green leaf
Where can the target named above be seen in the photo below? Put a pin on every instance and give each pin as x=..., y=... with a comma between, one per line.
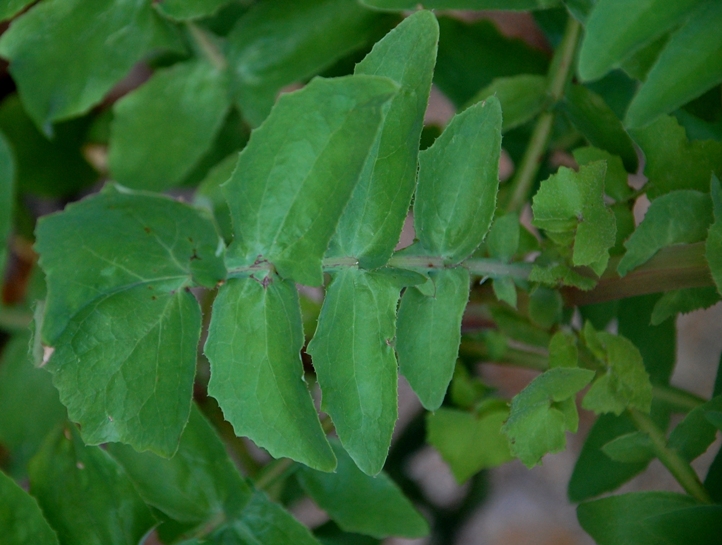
x=210, y=196
x=641, y=62
x=693, y=436
x=616, y=29
x=162, y=129
x=545, y=307
x=330, y=534
x=615, y=180
x=85, y=495
x=353, y=354
x=197, y=485
x=11, y=7
x=713, y=480
x=683, y=301
x=371, y=224
x=469, y=442
x=461, y=4
x=502, y=241
x=563, y=351
x=681, y=216
x=254, y=344
x=596, y=121
x=65, y=56
x=297, y=172
x=7, y=197
x=678, y=76
x=539, y=418
x=673, y=162
x=632, y=448
x=21, y=521
x=456, y=193
x=522, y=98
x=624, y=519
x=699, y=525
x=358, y=503
x=713, y=246
x=286, y=41
x=429, y=333
x=183, y=10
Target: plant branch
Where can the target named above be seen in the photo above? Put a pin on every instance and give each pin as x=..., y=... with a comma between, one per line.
x=677, y=466
x=207, y=47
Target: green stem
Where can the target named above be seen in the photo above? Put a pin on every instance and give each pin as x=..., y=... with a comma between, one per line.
x=275, y=471
x=677, y=466
x=207, y=47
x=559, y=73
x=681, y=400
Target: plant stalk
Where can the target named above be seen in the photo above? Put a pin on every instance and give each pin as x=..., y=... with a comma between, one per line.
x=206, y=46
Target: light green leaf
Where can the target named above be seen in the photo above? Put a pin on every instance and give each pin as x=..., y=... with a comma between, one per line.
x=521, y=97
x=678, y=76
x=466, y=391
x=625, y=383
x=505, y=290
x=693, y=436
x=254, y=344
x=683, y=301
x=538, y=420
x=183, y=10
x=469, y=442
x=681, y=216
x=355, y=362
x=563, y=350
x=371, y=224
x=631, y=448
x=85, y=495
x=21, y=521
x=558, y=274
x=297, y=172
x=458, y=183
x=210, y=196
x=588, y=112
x=12, y=7
x=66, y=55
x=373, y=506
x=673, y=162
x=502, y=241
x=616, y=29
x=429, y=333
x=713, y=246
x=615, y=180
x=397, y=5
x=7, y=197
x=197, y=485
x=286, y=41
x=162, y=129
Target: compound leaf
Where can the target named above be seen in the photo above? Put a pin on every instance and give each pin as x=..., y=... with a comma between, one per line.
x=21, y=520
x=254, y=344
x=298, y=171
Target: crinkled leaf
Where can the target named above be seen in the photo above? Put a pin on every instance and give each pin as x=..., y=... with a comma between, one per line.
x=458, y=183
x=65, y=56
x=85, y=495
x=681, y=216
x=353, y=354
x=631, y=448
x=683, y=301
x=596, y=121
x=615, y=29
x=678, y=76
x=461, y=4
x=7, y=196
x=615, y=179
x=162, y=129
x=469, y=442
x=373, y=506
x=183, y=10
x=21, y=521
x=286, y=41
x=298, y=171
x=371, y=224
x=521, y=97
x=713, y=246
x=254, y=344
x=198, y=484
x=693, y=436
x=502, y=242
x=537, y=422
x=673, y=162
x=429, y=333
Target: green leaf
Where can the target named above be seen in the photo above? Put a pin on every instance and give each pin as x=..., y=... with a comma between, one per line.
x=197, y=485
x=681, y=216
x=278, y=43
x=116, y=294
x=86, y=496
x=373, y=506
x=545, y=307
x=588, y=112
x=625, y=383
x=683, y=301
x=429, y=334
x=371, y=224
x=698, y=525
x=183, y=10
x=461, y=4
x=623, y=519
x=563, y=351
x=472, y=55
x=469, y=442
x=63, y=170
x=502, y=242
x=353, y=354
x=678, y=77
x=571, y=204
x=505, y=290
x=521, y=97
x=615, y=180
x=556, y=275
x=330, y=534
x=162, y=129
x=21, y=521
x=210, y=196
x=616, y=29
x=693, y=436
x=713, y=246
x=12, y=7
x=632, y=448
x=65, y=56
x=673, y=162
x=297, y=172
x=538, y=418
x=7, y=197
x=254, y=344
x=456, y=193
